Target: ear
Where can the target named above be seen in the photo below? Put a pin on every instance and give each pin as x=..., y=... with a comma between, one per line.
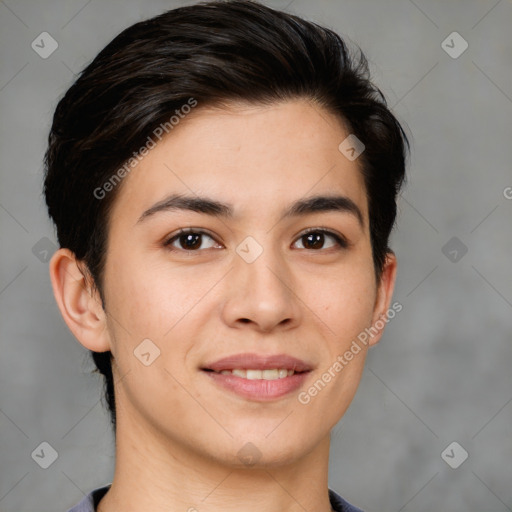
x=383, y=299
x=79, y=303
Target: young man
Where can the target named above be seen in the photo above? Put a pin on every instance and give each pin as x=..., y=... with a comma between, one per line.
x=223, y=179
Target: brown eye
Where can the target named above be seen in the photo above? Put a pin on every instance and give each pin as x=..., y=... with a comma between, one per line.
x=188, y=240
x=315, y=239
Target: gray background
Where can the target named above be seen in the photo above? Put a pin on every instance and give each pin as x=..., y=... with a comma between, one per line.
x=442, y=371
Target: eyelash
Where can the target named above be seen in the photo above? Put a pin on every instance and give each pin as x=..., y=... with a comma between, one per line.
x=341, y=241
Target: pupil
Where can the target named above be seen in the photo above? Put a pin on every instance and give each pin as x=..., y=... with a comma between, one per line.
x=190, y=238
x=315, y=240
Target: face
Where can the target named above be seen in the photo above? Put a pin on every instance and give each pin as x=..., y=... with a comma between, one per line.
x=195, y=290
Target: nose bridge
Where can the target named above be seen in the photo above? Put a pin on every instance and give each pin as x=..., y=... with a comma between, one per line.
x=261, y=287
x=262, y=267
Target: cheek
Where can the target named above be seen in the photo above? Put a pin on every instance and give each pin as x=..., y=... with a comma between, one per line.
x=155, y=300
x=345, y=306
x=345, y=300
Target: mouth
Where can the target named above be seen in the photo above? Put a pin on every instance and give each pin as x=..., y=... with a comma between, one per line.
x=258, y=377
x=253, y=374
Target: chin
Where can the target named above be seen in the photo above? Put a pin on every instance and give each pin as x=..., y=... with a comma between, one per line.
x=269, y=449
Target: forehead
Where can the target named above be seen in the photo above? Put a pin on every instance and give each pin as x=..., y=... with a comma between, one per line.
x=249, y=156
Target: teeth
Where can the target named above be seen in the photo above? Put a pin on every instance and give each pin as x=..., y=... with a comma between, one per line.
x=270, y=374
x=273, y=374
x=254, y=374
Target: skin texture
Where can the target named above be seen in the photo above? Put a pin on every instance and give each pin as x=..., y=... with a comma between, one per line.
x=178, y=434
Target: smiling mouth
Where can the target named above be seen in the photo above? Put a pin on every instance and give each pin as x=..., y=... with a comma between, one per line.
x=258, y=377
x=249, y=374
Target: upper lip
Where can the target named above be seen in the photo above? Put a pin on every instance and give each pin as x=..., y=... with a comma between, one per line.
x=251, y=361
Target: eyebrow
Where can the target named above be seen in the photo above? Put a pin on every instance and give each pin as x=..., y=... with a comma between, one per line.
x=309, y=205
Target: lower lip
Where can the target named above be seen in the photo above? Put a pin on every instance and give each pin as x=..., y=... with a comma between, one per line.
x=259, y=389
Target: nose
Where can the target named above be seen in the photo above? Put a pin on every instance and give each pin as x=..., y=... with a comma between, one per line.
x=261, y=295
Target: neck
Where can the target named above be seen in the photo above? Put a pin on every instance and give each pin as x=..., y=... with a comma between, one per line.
x=154, y=473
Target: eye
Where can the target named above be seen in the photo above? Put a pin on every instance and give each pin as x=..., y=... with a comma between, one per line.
x=315, y=238
x=189, y=240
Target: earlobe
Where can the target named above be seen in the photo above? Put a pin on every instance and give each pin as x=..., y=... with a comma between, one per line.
x=78, y=303
x=384, y=296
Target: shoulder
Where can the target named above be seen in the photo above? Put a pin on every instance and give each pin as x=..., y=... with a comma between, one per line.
x=91, y=500
x=340, y=505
